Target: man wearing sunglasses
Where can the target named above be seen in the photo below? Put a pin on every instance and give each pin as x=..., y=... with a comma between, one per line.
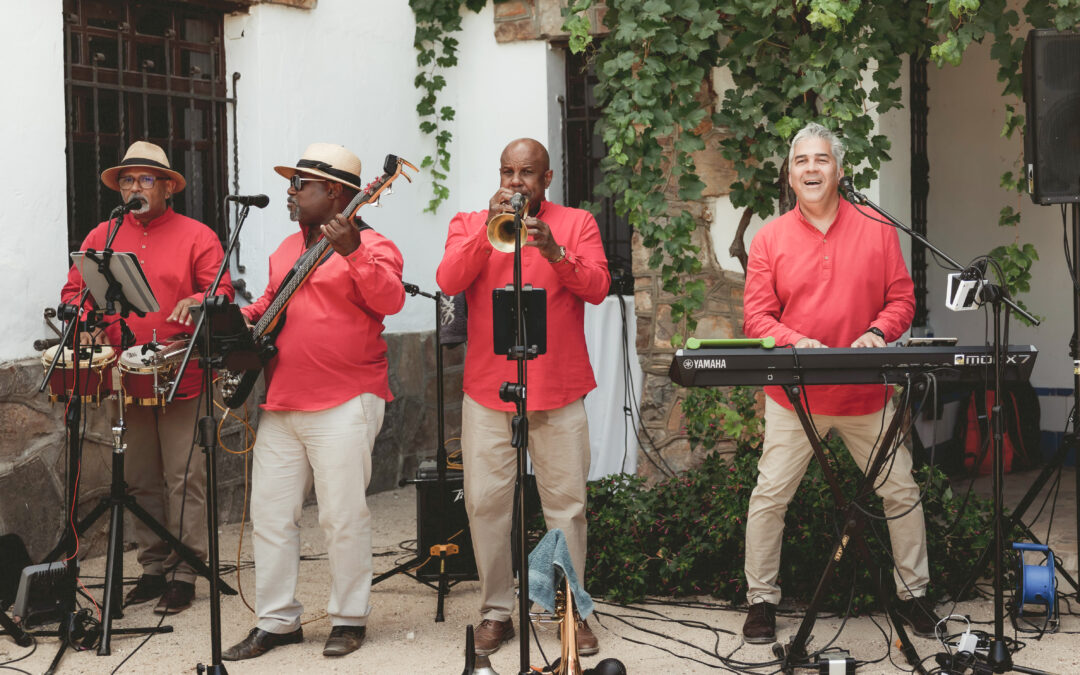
x=326, y=391
x=180, y=258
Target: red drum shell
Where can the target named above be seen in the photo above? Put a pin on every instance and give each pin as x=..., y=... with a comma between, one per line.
x=137, y=377
x=95, y=375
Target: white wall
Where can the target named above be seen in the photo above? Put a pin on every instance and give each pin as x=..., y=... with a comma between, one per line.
x=33, y=212
x=353, y=85
x=967, y=157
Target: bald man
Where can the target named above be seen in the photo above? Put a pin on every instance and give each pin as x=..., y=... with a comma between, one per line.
x=565, y=256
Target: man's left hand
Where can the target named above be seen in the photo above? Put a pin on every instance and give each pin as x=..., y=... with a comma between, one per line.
x=341, y=234
x=869, y=340
x=180, y=313
x=540, y=237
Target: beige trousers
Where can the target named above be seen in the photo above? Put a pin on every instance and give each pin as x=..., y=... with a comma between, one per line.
x=332, y=449
x=559, y=449
x=784, y=459
x=166, y=473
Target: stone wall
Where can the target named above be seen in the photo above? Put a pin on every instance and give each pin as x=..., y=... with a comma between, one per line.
x=33, y=449
x=666, y=448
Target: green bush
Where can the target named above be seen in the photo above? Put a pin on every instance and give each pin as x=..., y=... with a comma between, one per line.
x=685, y=536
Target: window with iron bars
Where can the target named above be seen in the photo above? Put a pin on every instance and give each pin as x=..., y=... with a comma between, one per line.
x=142, y=70
x=584, y=150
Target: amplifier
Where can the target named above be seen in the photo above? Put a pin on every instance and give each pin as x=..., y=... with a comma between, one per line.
x=438, y=517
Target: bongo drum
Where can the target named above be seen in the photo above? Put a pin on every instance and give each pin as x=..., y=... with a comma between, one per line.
x=95, y=373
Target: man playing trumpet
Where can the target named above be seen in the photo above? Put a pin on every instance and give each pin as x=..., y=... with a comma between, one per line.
x=564, y=256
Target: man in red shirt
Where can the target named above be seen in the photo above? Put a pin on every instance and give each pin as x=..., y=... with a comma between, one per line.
x=180, y=258
x=327, y=388
x=824, y=275
x=564, y=256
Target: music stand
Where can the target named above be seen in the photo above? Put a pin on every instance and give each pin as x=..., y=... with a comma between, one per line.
x=114, y=279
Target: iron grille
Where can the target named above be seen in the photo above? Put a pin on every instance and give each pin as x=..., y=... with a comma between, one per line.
x=141, y=70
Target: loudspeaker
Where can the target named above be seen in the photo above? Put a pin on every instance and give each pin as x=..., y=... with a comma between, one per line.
x=1052, y=98
x=442, y=520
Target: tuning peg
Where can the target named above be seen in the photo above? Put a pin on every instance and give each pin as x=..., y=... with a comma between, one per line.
x=389, y=191
x=378, y=202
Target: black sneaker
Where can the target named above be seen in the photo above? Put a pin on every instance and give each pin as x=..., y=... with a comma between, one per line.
x=760, y=625
x=920, y=615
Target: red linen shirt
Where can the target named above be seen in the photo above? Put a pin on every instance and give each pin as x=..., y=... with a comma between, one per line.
x=830, y=287
x=563, y=374
x=180, y=258
x=331, y=348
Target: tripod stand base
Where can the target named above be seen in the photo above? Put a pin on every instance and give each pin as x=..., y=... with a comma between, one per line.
x=216, y=669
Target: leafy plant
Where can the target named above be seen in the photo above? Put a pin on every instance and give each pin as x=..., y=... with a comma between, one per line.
x=837, y=62
x=686, y=535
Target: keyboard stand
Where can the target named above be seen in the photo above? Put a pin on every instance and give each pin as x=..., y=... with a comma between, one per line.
x=793, y=655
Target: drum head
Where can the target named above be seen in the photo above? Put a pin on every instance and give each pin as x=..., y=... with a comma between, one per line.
x=134, y=360
x=100, y=355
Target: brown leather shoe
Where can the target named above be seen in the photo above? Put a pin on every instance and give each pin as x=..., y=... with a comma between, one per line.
x=587, y=644
x=148, y=587
x=760, y=625
x=491, y=634
x=258, y=642
x=344, y=640
x=176, y=598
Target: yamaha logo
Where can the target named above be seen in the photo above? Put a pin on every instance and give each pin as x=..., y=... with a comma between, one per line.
x=706, y=363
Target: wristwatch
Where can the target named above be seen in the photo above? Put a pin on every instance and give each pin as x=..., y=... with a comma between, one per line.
x=562, y=256
x=876, y=331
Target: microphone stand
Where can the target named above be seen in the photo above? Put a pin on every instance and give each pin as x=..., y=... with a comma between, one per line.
x=208, y=441
x=519, y=425
x=998, y=658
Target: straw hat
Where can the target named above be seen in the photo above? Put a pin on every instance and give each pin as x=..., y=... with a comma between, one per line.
x=329, y=161
x=143, y=154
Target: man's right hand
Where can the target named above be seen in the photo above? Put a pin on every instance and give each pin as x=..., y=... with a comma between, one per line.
x=808, y=343
x=500, y=203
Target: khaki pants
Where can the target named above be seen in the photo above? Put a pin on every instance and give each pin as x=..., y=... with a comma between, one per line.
x=166, y=473
x=559, y=449
x=332, y=449
x=783, y=462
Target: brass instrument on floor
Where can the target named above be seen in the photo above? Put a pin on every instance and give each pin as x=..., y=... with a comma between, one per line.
x=500, y=230
x=569, y=662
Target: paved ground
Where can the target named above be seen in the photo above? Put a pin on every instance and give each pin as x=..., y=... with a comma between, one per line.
x=684, y=636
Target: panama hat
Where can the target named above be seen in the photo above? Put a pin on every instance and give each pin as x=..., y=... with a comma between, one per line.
x=143, y=154
x=329, y=161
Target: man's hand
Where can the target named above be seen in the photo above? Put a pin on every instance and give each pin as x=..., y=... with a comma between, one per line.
x=180, y=313
x=540, y=237
x=499, y=203
x=808, y=343
x=94, y=337
x=341, y=234
x=869, y=340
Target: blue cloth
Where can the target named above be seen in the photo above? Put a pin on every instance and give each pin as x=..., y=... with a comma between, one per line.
x=548, y=563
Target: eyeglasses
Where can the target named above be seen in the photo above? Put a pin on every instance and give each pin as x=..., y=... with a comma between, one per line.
x=146, y=181
x=297, y=181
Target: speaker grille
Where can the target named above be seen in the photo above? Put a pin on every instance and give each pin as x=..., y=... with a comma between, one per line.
x=1052, y=138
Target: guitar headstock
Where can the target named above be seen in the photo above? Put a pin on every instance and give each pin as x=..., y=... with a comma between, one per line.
x=393, y=167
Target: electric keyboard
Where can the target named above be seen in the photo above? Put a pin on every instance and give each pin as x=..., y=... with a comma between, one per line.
x=893, y=365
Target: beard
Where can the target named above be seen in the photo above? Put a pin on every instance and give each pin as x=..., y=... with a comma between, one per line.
x=294, y=210
x=142, y=209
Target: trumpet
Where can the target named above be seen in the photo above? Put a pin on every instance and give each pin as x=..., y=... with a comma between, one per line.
x=500, y=230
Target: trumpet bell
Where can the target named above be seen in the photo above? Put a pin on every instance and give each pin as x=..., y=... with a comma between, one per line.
x=500, y=231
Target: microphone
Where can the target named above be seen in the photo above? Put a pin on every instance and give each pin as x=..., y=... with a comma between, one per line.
x=517, y=202
x=258, y=201
x=848, y=188
x=45, y=343
x=134, y=204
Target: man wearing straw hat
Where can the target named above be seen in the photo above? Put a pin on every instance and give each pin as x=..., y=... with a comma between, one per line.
x=180, y=258
x=326, y=391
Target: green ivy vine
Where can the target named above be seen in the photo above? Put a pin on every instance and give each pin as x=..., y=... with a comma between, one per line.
x=436, y=49
x=837, y=62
